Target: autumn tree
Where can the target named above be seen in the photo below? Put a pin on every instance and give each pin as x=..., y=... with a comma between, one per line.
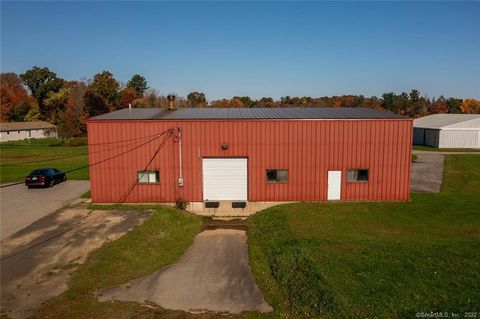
x=453, y=105
x=139, y=84
x=246, y=100
x=223, y=103
x=106, y=86
x=74, y=118
x=55, y=104
x=15, y=103
x=439, y=105
x=265, y=102
x=95, y=104
x=196, y=99
x=151, y=98
x=470, y=106
x=41, y=82
x=236, y=103
x=127, y=96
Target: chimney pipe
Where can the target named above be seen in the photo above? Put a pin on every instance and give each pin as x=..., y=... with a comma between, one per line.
x=171, y=101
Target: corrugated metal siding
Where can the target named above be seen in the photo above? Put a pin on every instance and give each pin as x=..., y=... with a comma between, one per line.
x=447, y=120
x=432, y=137
x=459, y=139
x=308, y=149
x=418, y=136
x=475, y=123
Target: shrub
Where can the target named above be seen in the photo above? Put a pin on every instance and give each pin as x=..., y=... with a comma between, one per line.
x=181, y=204
x=77, y=141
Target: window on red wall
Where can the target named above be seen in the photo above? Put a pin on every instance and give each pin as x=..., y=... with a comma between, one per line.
x=277, y=175
x=148, y=177
x=357, y=175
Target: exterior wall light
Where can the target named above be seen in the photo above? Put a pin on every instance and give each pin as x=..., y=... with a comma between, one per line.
x=224, y=147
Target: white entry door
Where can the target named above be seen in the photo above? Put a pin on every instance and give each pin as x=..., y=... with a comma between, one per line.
x=225, y=179
x=334, y=185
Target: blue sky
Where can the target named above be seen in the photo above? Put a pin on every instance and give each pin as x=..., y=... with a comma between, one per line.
x=253, y=48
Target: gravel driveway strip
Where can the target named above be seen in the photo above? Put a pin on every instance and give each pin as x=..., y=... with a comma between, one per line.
x=212, y=275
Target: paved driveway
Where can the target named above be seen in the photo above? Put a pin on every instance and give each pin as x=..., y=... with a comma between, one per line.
x=21, y=206
x=37, y=261
x=427, y=173
x=212, y=275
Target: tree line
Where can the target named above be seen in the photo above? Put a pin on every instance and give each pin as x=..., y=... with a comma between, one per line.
x=39, y=94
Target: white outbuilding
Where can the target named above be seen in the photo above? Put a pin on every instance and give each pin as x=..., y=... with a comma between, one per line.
x=16, y=131
x=447, y=131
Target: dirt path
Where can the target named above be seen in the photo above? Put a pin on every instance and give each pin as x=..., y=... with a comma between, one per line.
x=212, y=275
x=37, y=261
x=427, y=173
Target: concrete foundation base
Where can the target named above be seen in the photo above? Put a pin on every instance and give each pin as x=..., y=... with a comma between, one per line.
x=225, y=208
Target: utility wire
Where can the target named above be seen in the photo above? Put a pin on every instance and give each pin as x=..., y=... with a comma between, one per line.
x=89, y=144
x=118, y=155
x=160, y=146
x=52, y=158
x=104, y=160
x=122, y=141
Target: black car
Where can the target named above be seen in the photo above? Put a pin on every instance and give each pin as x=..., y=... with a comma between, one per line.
x=46, y=177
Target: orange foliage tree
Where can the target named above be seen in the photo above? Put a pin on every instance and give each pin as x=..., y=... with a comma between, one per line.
x=470, y=106
x=15, y=103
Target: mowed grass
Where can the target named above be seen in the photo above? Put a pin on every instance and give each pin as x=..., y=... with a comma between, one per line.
x=159, y=241
x=373, y=260
x=434, y=149
x=19, y=158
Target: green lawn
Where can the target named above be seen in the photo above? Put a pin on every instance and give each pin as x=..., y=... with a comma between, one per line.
x=434, y=149
x=19, y=158
x=373, y=260
x=156, y=243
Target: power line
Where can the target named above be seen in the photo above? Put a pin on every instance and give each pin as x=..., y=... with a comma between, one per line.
x=104, y=160
x=118, y=155
x=122, y=141
x=88, y=144
x=78, y=155
x=52, y=158
x=124, y=198
x=160, y=146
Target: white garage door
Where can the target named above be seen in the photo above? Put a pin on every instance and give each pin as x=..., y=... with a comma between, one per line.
x=225, y=179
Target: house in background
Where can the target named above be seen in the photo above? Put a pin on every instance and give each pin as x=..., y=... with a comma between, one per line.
x=16, y=131
x=242, y=158
x=447, y=131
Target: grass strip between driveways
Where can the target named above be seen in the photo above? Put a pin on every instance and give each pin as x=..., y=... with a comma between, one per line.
x=436, y=149
x=373, y=260
x=19, y=158
x=159, y=241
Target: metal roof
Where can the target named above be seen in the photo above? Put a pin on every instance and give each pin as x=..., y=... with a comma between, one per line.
x=132, y=114
x=22, y=126
x=248, y=113
x=443, y=120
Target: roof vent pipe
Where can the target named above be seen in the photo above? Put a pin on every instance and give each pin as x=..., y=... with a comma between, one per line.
x=171, y=101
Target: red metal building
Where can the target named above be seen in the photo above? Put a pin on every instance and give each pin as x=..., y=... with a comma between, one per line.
x=249, y=155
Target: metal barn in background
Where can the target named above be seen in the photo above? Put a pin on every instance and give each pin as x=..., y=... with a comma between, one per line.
x=246, y=157
x=448, y=131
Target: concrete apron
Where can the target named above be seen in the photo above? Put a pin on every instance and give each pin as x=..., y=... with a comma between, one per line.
x=225, y=208
x=212, y=275
x=427, y=173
